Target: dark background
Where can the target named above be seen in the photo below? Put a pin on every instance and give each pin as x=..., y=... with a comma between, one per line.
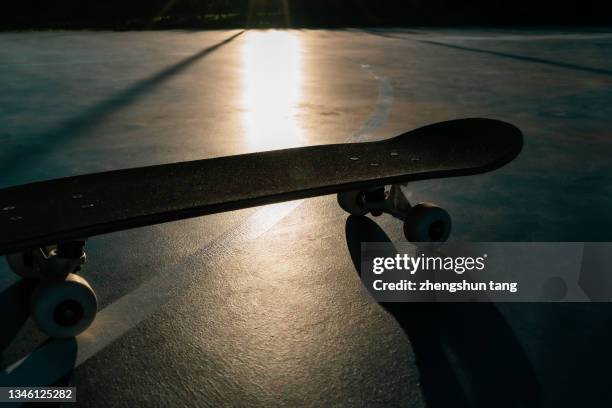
x=152, y=14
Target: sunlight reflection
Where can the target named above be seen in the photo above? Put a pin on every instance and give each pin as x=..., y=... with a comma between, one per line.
x=272, y=90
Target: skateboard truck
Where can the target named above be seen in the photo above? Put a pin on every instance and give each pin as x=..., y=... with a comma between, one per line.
x=424, y=222
x=59, y=260
x=64, y=303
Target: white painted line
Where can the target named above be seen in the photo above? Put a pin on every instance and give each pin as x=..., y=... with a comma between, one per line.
x=382, y=109
x=128, y=311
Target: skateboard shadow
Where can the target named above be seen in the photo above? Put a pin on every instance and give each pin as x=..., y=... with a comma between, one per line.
x=466, y=353
x=51, y=360
x=14, y=309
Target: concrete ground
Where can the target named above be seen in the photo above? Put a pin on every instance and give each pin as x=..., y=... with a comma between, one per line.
x=263, y=306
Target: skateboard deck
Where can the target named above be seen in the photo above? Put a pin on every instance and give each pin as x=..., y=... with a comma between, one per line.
x=54, y=211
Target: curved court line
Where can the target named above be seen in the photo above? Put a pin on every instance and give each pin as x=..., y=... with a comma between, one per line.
x=116, y=319
x=382, y=109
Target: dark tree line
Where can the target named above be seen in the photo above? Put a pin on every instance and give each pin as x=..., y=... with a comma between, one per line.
x=143, y=14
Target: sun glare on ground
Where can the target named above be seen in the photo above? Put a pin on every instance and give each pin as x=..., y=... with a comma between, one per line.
x=272, y=90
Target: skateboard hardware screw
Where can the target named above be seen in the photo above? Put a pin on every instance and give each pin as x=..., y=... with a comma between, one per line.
x=8, y=208
x=354, y=158
x=87, y=205
x=16, y=218
x=77, y=196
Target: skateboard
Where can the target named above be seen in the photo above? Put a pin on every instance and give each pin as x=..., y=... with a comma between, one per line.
x=44, y=225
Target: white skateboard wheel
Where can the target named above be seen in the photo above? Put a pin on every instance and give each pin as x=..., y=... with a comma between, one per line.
x=427, y=222
x=64, y=308
x=352, y=202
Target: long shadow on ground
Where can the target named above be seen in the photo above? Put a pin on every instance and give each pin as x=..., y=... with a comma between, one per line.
x=525, y=58
x=72, y=128
x=466, y=353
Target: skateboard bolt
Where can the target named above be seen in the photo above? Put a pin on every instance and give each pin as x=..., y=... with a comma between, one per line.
x=354, y=158
x=77, y=196
x=8, y=208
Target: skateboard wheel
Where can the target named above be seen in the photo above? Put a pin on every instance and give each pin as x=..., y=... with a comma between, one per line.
x=352, y=202
x=63, y=308
x=21, y=263
x=427, y=222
